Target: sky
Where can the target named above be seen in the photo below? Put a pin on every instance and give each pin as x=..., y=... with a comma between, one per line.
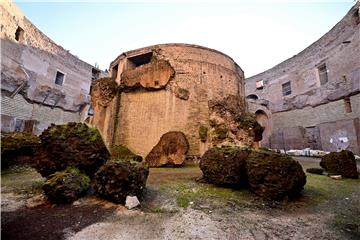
x=256, y=34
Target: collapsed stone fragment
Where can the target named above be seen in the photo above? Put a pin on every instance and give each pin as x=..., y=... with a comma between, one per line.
x=267, y=174
x=170, y=150
x=72, y=144
x=231, y=124
x=340, y=163
x=224, y=165
x=117, y=179
x=18, y=148
x=66, y=186
x=131, y=202
x=274, y=176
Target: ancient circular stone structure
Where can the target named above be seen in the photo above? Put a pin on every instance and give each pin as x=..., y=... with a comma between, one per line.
x=171, y=87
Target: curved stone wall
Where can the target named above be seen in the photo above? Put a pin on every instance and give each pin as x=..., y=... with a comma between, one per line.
x=324, y=92
x=170, y=90
x=30, y=64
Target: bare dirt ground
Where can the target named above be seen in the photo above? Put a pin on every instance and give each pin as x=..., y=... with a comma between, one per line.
x=177, y=206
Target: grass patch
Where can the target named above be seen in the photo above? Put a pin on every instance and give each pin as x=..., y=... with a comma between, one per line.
x=182, y=200
x=180, y=185
x=22, y=180
x=187, y=191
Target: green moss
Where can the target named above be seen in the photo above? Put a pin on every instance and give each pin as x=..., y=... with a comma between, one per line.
x=182, y=201
x=22, y=180
x=203, y=131
x=88, y=135
x=117, y=117
x=16, y=145
x=119, y=152
x=16, y=140
x=94, y=134
x=66, y=186
x=66, y=176
x=221, y=131
x=188, y=193
x=182, y=93
x=247, y=120
x=212, y=122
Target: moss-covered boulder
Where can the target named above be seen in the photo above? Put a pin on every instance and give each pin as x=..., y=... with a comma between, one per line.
x=340, y=163
x=122, y=152
x=274, y=176
x=66, y=186
x=72, y=144
x=18, y=148
x=225, y=165
x=119, y=178
x=268, y=174
x=170, y=151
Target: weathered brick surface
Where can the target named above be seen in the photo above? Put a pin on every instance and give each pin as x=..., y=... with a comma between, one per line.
x=311, y=104
x=32, y=61
x=144, y=116
x=18, y=109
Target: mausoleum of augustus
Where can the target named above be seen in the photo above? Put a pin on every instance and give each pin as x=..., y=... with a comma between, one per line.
x=173, y=87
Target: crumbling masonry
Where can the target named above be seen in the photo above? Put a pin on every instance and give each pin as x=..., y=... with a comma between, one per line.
x=173, y=87
x=312, y=100
x=41, y=83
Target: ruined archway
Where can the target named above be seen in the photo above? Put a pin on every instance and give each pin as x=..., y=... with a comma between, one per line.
x=263, y=119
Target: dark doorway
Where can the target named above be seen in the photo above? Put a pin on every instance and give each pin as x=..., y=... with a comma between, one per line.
x=312, y=137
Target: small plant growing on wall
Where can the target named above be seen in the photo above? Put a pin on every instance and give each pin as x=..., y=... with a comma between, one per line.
x=203, y=131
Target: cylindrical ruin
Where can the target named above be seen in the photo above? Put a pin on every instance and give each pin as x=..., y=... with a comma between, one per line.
x=172, y=87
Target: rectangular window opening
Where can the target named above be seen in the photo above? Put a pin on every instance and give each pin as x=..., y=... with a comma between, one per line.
x=95, y=74
x=286, y=89
x=115, y=71
x=141, y=59
x=59, y=79
x=323, y=76
x=347, y=105
x=260, y=85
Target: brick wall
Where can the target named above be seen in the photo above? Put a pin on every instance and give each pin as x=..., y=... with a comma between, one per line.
x=145, y=116
x=18, y=109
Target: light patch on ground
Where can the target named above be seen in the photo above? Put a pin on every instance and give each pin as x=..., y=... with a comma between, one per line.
x=11, y=201
x=194, y=224
x=186, y=224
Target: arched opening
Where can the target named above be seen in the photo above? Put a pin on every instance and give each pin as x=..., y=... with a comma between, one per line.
x=252, y=97
x=263, y=119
